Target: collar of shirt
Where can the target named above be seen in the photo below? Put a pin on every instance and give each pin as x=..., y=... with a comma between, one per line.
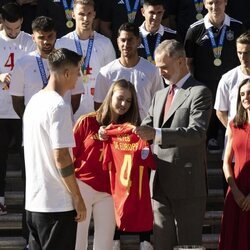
x=208, y=24
x=144, y=32
x=181, y=82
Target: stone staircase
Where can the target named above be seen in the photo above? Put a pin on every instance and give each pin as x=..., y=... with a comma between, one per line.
x=11, y=224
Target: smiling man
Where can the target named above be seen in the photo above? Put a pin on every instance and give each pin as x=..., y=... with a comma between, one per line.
x=31, y=72
x=152, y=32
x=94, y=47
x=130, y=66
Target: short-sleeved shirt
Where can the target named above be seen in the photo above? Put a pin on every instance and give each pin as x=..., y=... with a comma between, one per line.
x=198, y=46
x=145, y=77
x=128, y=159
x=227, y=91
x=26, y=78
x=152, y=39
x=102, y=53
x=10, y=51
x=47, y=125
x=88, y=154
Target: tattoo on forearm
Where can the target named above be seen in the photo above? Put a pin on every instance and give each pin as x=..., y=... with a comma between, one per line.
x=66, y=171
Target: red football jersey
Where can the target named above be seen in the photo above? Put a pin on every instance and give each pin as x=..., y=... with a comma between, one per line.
x=88, y=154
x=128, y=159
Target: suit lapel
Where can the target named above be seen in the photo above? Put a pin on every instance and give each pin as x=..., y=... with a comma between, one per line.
x=180, y=97
x=160, y=106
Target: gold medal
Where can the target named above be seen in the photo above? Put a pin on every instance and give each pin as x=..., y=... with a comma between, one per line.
x=69, y=24
x=85, y=78
x=217, y=62
x=199, y=16
x=131, y=17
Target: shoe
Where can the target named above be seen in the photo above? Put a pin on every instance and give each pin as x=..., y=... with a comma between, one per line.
x=3, y=209
x=213, y=146
x=116, y=245
x=26, y=247
x=145, y=245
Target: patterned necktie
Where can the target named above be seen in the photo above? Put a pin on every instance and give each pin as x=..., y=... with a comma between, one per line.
x=169, y=100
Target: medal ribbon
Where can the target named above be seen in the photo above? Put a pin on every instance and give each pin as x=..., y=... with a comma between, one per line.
x=146, y=46
x=42, y=70
x=67, y=9
x=198, y=5
x=132, y=13
x=85, y=65
x=217, y=49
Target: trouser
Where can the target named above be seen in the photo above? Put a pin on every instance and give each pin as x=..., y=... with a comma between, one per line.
x=102, y=206
x=10, y=129
x=52, y=231
x=178, y=222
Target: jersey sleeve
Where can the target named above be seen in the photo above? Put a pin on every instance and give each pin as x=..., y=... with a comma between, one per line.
x=222, y=96
x=101, y=87
x=17, y=80
x=61, y=131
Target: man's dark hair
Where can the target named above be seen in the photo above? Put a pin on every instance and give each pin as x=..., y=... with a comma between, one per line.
x=43, y=23
x=11, y=12
x=60, y=58
x=154, y=3
x=129, y=27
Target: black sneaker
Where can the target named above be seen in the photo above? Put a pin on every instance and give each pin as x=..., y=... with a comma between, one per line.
x=213, y=146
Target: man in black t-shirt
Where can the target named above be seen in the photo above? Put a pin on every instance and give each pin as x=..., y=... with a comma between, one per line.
x=211, y=51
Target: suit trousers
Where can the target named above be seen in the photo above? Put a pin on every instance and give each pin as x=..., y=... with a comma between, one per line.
x=51, y=231
x=178, y=222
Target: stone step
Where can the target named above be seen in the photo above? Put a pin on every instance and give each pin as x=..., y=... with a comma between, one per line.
x=14, y=181
x=12, y=243
x=215, y=178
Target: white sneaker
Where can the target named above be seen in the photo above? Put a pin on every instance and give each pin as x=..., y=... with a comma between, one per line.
x=116, y=245
x=145, y=245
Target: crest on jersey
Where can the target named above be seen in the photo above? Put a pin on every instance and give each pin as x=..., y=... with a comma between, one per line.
x=230, y=35
x=144, y=153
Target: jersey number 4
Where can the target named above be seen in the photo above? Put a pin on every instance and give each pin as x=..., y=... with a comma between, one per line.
x=126, y=172
x=10, y=61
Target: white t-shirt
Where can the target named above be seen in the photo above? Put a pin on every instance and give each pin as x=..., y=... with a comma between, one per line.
x=226, y=95
x=102, y=53
x=26, y=78
x=47, y=125
x=145, y=77
x=10, y=51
